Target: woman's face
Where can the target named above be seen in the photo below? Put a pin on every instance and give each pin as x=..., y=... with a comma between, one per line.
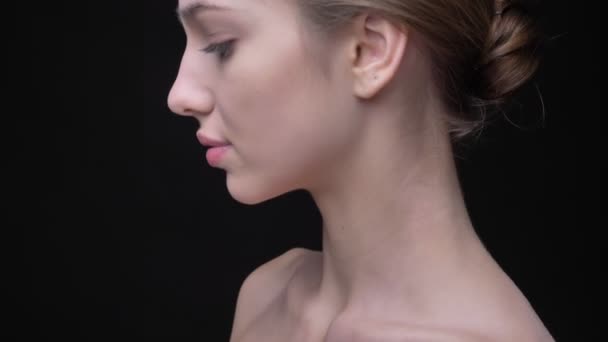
x=265, y=94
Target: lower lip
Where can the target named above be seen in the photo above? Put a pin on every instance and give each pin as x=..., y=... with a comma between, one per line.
x=215, y=154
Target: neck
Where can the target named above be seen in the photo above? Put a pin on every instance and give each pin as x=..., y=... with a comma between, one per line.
x=395, y=231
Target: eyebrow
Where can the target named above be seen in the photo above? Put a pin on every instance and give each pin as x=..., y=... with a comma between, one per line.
x=189, y=11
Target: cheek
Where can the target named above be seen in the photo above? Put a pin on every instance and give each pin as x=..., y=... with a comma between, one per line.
x=279, y=109
x=269, y=94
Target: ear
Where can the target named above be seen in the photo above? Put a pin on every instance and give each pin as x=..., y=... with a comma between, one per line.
x=376, y=53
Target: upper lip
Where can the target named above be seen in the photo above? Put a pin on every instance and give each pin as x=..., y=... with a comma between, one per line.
x=206, y=141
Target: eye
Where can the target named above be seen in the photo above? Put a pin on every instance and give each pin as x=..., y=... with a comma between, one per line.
x=222, y=49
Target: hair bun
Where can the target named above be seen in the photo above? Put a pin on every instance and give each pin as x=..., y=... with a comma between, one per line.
x=511, y=54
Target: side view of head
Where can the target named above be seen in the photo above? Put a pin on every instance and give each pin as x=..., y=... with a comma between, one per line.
x=305, y=91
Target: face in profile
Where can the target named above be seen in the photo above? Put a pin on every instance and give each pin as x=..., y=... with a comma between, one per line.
x=252, y=79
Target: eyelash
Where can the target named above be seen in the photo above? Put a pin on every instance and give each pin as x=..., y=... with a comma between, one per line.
x=223, y=49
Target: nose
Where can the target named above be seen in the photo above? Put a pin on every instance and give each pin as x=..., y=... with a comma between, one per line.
x=189, y=96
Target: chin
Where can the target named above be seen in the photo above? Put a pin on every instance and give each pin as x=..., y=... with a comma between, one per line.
x=252, y=194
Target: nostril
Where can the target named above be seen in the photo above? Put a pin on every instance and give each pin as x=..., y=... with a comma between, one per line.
x=189, y=98
x=177, y=104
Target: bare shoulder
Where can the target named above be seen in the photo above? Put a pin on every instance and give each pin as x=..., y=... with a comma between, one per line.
x=374, y=331
x=395, y=331
x=263, y=286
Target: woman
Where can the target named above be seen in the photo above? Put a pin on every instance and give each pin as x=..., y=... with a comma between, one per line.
x=359, y=102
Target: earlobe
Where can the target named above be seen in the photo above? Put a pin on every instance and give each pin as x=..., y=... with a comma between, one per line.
x=377, y=53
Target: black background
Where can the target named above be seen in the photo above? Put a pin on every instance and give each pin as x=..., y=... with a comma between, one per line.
x=124, y=230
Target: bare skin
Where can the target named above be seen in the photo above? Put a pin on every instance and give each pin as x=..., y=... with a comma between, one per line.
x=276, y=303
x=363, y=134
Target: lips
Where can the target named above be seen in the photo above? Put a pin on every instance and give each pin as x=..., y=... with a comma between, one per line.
x=211, y=142
x=215, y=155
x=218, y=148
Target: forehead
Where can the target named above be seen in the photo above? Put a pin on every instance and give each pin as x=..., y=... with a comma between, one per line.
x=259, y=14
x=188, y=8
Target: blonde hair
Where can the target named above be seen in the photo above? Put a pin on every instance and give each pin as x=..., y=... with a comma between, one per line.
x=481, y=50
